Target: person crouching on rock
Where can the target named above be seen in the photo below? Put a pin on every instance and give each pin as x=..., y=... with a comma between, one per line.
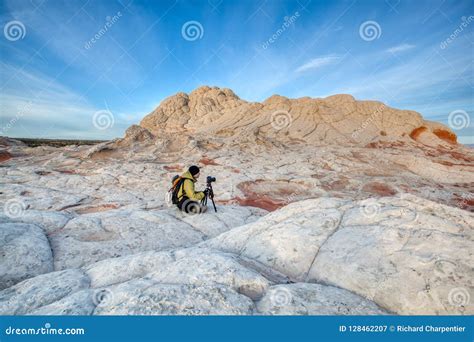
x=188, y=199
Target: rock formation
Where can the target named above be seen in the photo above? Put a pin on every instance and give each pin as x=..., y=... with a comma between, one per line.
x=325, y=206
x=338, y=119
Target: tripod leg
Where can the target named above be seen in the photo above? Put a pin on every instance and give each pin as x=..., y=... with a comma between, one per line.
x=211, y=196
x=214, y=204
x=212, y=200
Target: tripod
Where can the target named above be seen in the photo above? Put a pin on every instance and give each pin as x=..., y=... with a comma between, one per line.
x=209, y=193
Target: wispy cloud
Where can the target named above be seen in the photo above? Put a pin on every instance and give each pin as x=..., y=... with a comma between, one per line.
x=318, y=62
x=35, y=105
x=400, y=48
x=130, y=71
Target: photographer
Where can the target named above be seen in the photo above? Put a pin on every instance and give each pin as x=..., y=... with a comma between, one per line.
x=188, y=199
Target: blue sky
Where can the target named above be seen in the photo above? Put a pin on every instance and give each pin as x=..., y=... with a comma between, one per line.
x=68, y=60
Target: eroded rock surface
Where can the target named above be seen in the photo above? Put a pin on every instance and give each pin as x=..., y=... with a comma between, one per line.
x=402, y=255
x=24, y=251
x=335, y=119
x=351, y=208
x=314, y=299
x=45, y=289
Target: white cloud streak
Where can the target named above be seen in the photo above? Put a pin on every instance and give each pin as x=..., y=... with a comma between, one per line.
x=35, y=105
x=400, y=48
x=318, y=62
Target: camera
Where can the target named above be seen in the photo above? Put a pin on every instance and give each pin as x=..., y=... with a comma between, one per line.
x=209, y=193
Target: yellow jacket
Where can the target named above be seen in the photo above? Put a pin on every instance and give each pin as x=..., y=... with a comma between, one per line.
x=188, y=187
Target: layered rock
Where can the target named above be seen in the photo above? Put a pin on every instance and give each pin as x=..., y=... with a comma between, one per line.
x=353, y=208
x=402, y=255
x=337, y=119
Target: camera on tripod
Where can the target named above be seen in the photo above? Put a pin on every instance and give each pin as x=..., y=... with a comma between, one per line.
x=209, y=192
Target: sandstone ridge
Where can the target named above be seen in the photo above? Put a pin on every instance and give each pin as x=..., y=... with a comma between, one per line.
x=338, y=119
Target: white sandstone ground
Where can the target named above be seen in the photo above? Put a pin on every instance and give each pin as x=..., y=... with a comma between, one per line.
x=312, y=218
